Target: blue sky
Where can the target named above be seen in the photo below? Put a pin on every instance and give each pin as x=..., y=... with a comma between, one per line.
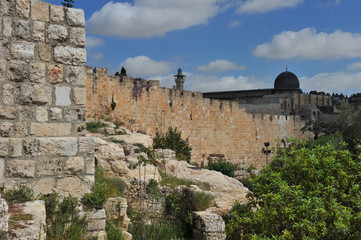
x=228, y=44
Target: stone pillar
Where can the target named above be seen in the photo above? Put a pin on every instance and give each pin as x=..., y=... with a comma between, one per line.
x=208, y=226
x=42, y=98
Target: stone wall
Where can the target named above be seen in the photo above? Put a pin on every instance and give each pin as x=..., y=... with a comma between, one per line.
x=42, y=98
x=213, y=126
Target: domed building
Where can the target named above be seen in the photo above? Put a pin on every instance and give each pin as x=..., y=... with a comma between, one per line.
x=285, y=98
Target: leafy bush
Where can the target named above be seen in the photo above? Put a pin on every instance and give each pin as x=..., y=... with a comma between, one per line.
x=140, y=148
x=19, y=195
x=113, y=233
x=225, y=168
x=95, y=126
x=173, y=140
x=62, y=219
x=103, y=189
x=306, y=193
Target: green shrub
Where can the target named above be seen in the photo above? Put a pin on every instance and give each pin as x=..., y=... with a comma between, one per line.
x=152, y=188
x=202, y=201
x=140, y=148
x=117, y=141
x=19, y=195
x=103, y=189
x=225, y=168
x=62, y=219
x=95, y=126
x=113, y=233
x=173, y=140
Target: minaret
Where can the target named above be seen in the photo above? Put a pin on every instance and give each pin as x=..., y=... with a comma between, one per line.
x=179, y=80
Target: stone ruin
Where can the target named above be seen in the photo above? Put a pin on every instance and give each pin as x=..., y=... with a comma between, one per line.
x=42, y=99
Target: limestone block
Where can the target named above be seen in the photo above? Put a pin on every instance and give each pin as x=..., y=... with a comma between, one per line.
x=4, y=48
x=116, y=209
x=50, y=129
x=208, y=226
x=72, y=185
x=35, y=94
x=2, y=167
x=40, y=11
x=20, y=168
x=79, y=96
x=41, y=114
x=22, y=29
x=23, y=8
x=58, y=146
x=74, y=165
x=39, y=31
x=6, y=129
x=57, y=33
x=90, y=165
x=25, y=113
x=70, y=55
x=17, y=71
x=56, y=13
x=44, y=186
x=37, y=73
x=10, y=94
x=7, y=26
x=77, y=37
x=4, y=217
x=4, y=149
x=16, y=147
x=23, y=50
x=55, y=73
x=75, y=17
x=7, y=7
x=86, y=145
x=8, y=112
x=20, y=129
x=74, y=114
x=96, y=220
x=56, y=114
x=34, y=227
x=50, y=166
x=44, y=52
x=3, y=66
x=31, y=147
x=80, y=129
x=75, y=75
x=62, y=96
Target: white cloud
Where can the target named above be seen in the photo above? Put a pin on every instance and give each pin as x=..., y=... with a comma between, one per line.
x=309, y=44
x=236, y=23
x=144, y=66
x=354, y=66
x=262, y=6
x=150, y=18
x=97, y=56
x=332, y=82
x=220, y=65
x=92, y=42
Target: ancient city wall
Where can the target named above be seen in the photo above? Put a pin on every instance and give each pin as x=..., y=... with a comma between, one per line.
x=42, y=99
x=213, y=126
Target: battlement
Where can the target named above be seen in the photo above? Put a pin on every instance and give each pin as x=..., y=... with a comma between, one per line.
x=212, y=125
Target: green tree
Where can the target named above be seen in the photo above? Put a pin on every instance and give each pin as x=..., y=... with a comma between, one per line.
x=305, y=193
x=173, y=140
x=349, y=122
x=68, y=3
x=316, y=128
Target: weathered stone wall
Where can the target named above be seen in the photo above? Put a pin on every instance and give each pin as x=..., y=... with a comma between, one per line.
x=42, y=98
x=213, y=126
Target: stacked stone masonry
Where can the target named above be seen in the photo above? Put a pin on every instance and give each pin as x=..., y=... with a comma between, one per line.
x=212, y=126
x=42, y=98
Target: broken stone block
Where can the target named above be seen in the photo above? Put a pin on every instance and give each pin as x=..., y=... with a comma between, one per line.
x=75, y=75
x=8, y=112
x=22, y=29
x=50, y=166
x=75, y=17
x=37, y=72
x=57, y=33
x=56, y=13
x=74, y=165
x=70, y=55
x=77, y=37
x=17, y=71
x=23, y=8
x=35, y=94
x=39, y=31
x=58, y=146
x=20, y=168
x=40, y=11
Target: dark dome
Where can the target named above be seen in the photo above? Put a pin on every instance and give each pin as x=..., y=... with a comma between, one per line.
x=287, y=80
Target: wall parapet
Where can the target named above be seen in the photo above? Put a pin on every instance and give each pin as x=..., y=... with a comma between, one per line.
x=212, y=126
x=42, y=98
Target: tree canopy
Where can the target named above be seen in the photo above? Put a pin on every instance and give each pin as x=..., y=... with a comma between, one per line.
x=306, y=193
x=68, y=3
